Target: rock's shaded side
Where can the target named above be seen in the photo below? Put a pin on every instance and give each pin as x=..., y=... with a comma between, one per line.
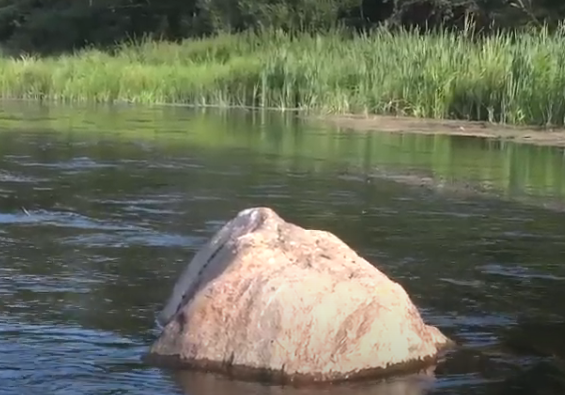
x=269, y=300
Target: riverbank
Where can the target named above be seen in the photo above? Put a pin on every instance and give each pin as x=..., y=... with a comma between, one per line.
x=381, y=123
x=515, y=80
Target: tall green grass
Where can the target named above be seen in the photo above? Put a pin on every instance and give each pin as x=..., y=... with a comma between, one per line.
x=508, y=78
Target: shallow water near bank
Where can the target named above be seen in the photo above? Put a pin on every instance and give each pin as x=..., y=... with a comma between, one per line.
x=102, y=207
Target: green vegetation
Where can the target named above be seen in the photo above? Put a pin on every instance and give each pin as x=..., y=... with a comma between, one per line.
x=508, y=78
x=497, y=60
x=48, y=26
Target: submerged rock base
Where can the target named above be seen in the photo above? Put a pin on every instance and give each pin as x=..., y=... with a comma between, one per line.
x=280, y=377
x=268, y=300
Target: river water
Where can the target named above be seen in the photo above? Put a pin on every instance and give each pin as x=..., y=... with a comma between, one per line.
x=101, y=208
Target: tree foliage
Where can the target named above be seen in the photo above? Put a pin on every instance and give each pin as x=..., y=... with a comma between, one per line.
x=62, y=25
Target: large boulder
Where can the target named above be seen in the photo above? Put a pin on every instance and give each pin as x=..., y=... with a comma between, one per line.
x=268, y=300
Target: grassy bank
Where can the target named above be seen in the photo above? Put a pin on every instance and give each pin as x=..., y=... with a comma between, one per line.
x=509, y=79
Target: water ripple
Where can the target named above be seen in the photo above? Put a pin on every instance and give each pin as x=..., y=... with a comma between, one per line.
x=73, y=164
x=127, y=239
x=518, y=272
x=63, y=219
x=78, y=358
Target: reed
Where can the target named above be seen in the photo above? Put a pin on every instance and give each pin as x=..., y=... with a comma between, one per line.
x=512, y=78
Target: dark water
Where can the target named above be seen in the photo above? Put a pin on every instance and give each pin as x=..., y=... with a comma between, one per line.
x=100, y=209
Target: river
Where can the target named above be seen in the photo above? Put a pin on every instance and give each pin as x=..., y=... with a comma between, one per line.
x=102, y=207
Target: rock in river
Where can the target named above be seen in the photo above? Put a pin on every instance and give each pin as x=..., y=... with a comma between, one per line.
x=268, y=300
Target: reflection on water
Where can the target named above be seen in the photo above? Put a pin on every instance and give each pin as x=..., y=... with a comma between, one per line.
x=100, y=209
x=209, y=384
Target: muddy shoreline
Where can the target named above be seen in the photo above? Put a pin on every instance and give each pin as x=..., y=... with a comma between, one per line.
x=380, y=123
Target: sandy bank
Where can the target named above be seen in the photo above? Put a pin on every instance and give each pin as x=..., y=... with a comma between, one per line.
x=527, y=135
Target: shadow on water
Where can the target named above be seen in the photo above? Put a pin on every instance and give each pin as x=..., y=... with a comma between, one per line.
x=101, y=208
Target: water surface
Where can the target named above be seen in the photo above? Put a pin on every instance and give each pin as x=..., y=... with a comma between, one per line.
x=101, y=208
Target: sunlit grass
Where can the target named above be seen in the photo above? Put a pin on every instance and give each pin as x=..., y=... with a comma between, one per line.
x=507, y=78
